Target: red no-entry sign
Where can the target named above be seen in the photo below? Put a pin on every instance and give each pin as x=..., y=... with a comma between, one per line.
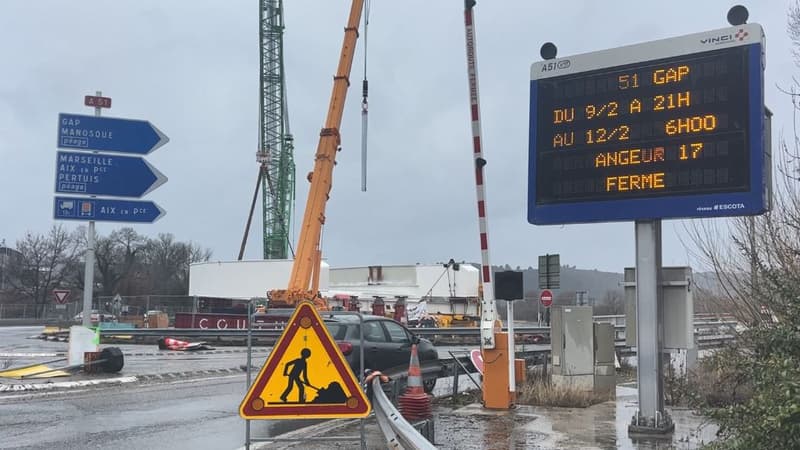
x=546, y=298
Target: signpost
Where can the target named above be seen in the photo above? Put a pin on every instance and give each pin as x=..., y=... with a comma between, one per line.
x=508, y=286
x=546, y=298
x=663, y=129
x=673, y=128
x=97, y=101
x=108, y=134
x=60, y=296
x=106, y=210
x=305, y=376
x=104, y=175
x=549, y=271
x=94, y=174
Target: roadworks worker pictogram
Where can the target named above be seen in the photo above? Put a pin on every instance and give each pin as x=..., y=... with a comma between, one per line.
x=305, y=376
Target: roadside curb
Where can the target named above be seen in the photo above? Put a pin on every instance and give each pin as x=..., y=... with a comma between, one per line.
x=63, y=384
x=161, y=353
x=168, y=376
x=187, y=374
x=178, y=354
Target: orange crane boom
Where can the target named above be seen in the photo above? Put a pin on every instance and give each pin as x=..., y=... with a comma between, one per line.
x=304, y=280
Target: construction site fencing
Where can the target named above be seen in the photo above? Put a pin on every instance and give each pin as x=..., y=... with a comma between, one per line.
x=125, y=308
x=32, y=311
x=140, y=305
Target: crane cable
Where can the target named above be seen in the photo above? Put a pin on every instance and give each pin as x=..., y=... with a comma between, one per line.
x=364, y=103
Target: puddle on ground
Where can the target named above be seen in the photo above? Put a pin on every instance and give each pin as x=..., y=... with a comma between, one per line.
x=469, y=429
x=602, y=426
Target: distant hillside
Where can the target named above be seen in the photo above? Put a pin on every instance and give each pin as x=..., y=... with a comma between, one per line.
x=572, y=279
x=604, y=290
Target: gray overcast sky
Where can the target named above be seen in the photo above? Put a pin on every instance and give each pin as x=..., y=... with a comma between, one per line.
x=191, y=68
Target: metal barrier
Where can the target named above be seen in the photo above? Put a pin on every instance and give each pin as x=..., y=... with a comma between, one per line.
x=275, y=332
x=425, y=332
x=31, y=311
x=398, y=432
x=458, y=366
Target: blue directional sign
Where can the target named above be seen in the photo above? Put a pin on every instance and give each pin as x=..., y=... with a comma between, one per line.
x=96, y=174
x=106, y=210
x=108, y=134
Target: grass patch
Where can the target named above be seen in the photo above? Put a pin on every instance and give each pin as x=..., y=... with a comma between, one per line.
x=538, y=390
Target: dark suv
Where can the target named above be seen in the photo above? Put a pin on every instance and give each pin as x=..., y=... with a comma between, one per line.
x=387, y=344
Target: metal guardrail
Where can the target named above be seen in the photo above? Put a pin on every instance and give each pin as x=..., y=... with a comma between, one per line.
x=398, y=432
x=191, y=332
x=275, y=333
x=707, y=335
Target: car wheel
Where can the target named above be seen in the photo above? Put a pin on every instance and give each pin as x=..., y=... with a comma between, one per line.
x=428, y=385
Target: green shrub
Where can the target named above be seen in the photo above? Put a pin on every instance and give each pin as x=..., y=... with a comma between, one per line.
x=753, y=390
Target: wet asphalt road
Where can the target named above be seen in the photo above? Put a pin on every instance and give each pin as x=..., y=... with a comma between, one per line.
x=183, y=414
x=190, y=413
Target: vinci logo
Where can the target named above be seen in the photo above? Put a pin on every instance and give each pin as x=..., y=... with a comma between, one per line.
x=726, y=38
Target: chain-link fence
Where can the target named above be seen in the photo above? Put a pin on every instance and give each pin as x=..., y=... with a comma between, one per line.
x=139, y=305
x=30, y=311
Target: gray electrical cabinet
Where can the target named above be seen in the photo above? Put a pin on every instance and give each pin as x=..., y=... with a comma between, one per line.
x=678, y=317
x=572, y=342
x=605, y=375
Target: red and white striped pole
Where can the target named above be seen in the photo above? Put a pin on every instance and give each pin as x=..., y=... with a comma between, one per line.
x=488, y=306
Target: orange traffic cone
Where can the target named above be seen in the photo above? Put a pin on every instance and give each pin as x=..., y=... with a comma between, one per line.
x=415, y=404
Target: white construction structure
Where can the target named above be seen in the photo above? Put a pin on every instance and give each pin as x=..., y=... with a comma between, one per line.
x=443, y=288
x=245, y=279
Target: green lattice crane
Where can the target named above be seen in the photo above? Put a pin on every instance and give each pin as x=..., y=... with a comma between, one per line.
x=276, y=152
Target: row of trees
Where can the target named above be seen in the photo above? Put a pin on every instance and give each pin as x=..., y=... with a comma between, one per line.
x=126, y=263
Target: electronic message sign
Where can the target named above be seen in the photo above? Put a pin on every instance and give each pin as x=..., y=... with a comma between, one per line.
x=663, y=129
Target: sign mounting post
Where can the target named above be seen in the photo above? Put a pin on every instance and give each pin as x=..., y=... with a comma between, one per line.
x=88, y=271
x=85, y=170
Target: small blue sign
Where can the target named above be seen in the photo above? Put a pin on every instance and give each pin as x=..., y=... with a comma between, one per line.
x=108, y=134
x=96, y=174
x=106, y=210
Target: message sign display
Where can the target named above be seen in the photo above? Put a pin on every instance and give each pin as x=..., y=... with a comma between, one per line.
x=670, y=128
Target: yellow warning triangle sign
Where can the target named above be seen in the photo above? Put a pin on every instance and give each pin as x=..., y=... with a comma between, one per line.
x=305, y=376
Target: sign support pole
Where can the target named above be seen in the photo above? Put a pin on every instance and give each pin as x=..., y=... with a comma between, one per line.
x=539, y=313
x=249, y=364
x=88, y=278
x=511, y=351
x=651, y=418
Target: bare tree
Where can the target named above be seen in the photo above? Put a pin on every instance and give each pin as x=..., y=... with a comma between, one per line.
x=117, y=255
x=45, y=265
x=167, y=263
x=756, y=260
